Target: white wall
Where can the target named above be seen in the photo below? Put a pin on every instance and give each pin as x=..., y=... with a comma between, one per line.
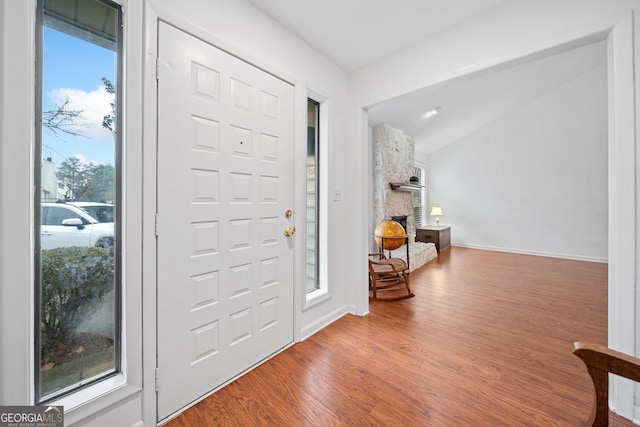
x=533, y=181
x=510, y=30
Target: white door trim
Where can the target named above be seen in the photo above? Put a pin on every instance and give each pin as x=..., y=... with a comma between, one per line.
x=623, y=231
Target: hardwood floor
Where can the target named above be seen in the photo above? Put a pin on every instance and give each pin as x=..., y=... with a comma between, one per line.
x=485, y=342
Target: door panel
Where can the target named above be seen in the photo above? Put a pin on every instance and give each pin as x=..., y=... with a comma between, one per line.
x=225, y=179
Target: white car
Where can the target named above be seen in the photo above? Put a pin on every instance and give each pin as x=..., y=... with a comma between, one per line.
x=76, y=224
x=103, y=212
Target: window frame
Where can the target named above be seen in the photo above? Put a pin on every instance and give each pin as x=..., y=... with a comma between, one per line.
x=317, y=195
x=322, y=292
x=74, y=395
x=421, y=194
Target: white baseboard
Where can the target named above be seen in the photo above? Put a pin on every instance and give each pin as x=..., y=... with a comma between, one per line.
x=326, y=320
x=530, y=252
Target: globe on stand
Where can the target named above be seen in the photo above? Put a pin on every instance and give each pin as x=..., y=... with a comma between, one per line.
x=389, y=234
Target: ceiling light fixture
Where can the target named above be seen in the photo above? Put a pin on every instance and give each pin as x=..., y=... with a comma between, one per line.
x=432, y=112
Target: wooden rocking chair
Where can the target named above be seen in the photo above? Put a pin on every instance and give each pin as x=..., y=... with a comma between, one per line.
x=390, y=276
x=600, y=361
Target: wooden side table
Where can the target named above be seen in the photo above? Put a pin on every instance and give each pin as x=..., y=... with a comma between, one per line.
x=440, y=235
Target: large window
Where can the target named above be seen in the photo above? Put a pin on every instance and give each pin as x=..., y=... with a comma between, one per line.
x=313, y=116
x=77, y=229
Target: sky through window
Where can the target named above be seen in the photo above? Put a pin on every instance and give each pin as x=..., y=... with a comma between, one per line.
x=73, y=71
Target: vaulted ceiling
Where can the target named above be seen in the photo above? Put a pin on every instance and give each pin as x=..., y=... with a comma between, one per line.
x=475, y=101
x=356, y=33
x=353, y=33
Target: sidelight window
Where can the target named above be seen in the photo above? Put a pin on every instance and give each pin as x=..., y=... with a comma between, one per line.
x=312, y=244
x=77, y=222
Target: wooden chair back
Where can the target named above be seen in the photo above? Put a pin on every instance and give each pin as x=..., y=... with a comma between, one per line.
x=600, y=362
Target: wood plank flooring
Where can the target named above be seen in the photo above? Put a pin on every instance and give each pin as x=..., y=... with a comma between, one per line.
x=485, y=342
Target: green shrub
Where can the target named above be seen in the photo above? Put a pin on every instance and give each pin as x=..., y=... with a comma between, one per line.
x=73, y=280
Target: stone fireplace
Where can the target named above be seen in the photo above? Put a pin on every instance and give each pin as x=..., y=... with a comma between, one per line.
x=393, y=158
x=393, y=162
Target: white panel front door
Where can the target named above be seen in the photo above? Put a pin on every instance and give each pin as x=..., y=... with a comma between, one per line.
x=225, y=180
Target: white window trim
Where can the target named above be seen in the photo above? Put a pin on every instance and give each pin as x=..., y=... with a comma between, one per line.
x=87, y=402
x=17, y=117
x=321, y=294
x=122, y=388
x=423, y=192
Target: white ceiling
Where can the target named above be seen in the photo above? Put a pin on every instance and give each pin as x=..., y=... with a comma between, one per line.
x=470, y=103
x=354, y=33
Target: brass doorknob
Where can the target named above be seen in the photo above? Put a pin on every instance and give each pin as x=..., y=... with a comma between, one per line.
x=288, y=231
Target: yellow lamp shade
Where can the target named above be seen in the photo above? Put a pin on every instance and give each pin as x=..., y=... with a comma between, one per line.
x=389, y=233
x=436, y=211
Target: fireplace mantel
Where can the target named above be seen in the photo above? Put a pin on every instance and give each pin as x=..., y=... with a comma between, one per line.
x=403, y=186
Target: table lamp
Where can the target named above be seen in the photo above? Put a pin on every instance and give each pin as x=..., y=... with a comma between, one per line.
x=437, y=212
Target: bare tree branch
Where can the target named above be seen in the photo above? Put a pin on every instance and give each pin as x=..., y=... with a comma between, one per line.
x=62, y=119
